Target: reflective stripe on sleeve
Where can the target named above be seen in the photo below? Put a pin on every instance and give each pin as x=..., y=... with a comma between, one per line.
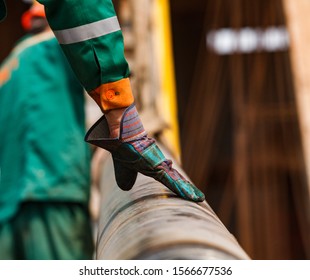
x=87, y=31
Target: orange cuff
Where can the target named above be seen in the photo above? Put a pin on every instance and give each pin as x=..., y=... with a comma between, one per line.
x=113, y=95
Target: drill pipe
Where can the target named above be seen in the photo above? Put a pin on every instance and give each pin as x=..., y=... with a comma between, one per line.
x=150, y=222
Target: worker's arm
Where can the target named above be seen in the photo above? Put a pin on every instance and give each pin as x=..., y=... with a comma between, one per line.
x=90, y=36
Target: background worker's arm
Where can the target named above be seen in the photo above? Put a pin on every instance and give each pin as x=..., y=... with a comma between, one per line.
x=90, y=36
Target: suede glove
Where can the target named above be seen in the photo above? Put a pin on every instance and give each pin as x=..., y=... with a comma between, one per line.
x=134, y=152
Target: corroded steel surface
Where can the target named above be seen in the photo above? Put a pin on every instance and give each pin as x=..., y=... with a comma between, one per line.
x=150, y=222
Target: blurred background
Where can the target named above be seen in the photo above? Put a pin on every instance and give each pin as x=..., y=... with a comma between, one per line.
x=226, y=86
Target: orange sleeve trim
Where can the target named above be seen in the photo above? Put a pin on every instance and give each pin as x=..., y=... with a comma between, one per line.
x=113, y=95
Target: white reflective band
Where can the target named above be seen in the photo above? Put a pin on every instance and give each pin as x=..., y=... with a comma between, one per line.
x=87, y=31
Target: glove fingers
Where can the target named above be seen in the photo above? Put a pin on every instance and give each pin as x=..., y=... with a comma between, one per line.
x=183, y=188
x=172, y=179
x=125, y=177
x=153, y=163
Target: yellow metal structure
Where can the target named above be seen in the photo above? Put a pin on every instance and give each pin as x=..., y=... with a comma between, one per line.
x=163, y=47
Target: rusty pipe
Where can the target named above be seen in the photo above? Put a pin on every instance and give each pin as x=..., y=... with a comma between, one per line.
x=150, y=222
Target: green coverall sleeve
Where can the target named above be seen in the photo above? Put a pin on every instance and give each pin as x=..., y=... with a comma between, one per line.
x=89, y=34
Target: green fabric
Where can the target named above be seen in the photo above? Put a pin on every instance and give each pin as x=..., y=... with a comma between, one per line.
x=95, y=61
x=42, y=153
x=47, y=231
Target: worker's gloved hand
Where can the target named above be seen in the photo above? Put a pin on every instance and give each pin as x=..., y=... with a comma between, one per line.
x=134, y=152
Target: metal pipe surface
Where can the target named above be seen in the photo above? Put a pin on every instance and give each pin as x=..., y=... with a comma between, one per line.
x=150, y=222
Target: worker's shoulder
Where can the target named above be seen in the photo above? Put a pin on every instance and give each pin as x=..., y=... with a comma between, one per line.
x=34, y=43
x=29, y=50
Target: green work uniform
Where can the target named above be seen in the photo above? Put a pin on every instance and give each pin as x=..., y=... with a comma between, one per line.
x=91, y=38
x=43, y=158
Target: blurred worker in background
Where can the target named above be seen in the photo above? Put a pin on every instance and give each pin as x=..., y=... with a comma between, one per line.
x=44, y=164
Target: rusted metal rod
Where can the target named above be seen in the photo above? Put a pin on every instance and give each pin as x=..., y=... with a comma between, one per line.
x=150, y=222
